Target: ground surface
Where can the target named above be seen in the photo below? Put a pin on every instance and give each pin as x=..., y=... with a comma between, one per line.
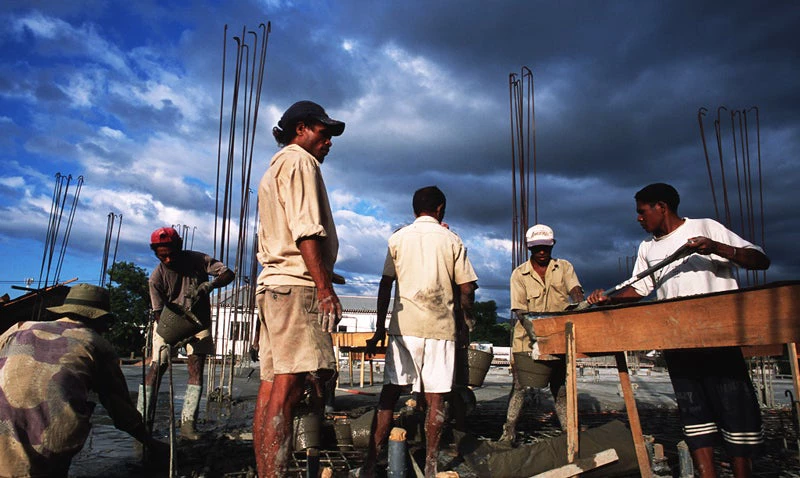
x=227, y=450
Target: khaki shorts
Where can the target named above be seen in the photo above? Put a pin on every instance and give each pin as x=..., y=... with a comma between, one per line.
x=201, y=344
x=291, y=339
x=425, y=364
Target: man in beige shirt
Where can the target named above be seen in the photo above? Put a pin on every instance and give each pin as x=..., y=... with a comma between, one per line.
x=298, y=309
x=428, y=262
x=542, y=284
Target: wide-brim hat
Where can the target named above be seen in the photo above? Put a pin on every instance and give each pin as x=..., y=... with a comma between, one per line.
x=303, y=110
x=86, y=300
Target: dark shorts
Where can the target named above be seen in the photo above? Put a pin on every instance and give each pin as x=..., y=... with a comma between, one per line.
x=716, y=399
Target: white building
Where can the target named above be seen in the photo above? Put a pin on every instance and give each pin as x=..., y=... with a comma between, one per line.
x=233, y=322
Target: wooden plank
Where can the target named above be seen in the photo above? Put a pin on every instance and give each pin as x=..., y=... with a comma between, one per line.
x=581, y=465
x=572, y=396
x=757, y=316
x=633, y=415
x=774, y=350
x=350, y=339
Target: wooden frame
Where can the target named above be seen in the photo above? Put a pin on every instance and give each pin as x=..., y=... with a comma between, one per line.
x=758, y=316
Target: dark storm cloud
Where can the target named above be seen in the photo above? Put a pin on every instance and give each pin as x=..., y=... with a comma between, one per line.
x=423, y=87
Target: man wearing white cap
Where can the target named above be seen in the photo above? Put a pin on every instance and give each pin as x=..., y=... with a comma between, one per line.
x=542, y=284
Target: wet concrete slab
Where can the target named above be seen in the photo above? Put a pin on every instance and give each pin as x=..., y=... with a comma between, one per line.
x=227, y=449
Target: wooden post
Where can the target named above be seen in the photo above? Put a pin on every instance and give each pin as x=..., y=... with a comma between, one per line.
x=573, y=441
x=361, y=375
x=792, y=347
x=633, y=415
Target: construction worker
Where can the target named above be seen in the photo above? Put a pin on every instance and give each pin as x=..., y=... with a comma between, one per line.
x=429, y=263
x=47, y=370
x=716, y=399
x=542, y=284
x=181, y=278
x=298, y=308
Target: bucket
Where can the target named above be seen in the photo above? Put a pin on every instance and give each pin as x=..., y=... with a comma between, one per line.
x=306, y=431
x=343, y=433
x=531, y=373
x=479, y=362
x=177, y=323
x=360, y=429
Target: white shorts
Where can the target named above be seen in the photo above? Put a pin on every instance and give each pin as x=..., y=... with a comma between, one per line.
x=426, y=364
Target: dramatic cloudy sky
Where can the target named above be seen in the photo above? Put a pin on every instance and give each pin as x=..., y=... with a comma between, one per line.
x=127, y=94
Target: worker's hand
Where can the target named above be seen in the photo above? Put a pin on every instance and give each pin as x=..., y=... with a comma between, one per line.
x=329, y=309
x=597, y=297
x=703, y=245
x=372, y=343
x=204, y=288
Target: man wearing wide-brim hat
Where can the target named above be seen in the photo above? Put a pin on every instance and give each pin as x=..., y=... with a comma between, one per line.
x=46, y=372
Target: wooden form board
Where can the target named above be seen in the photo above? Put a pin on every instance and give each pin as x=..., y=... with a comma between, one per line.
x=758, y=316
x=754, y=317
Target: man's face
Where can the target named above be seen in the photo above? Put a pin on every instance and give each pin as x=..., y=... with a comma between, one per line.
x=541, y=255
x=650, y=216
x=166, y=254
x=316, y=139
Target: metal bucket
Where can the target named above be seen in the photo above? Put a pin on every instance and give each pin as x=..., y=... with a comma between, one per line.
x=177, y=323
x=306, y=431
x=531, y=373
x=343, y=433
x=360, y=429
x=479, y=362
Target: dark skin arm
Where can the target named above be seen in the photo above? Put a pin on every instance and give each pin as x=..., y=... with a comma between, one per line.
x=384, y=297
x=223, y=279
x=330, y=309
x=464, y=313
x=745, y=257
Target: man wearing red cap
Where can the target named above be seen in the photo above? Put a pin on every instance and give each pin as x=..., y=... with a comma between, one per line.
x=181, y=278
x=542, y=284
x=298, y=309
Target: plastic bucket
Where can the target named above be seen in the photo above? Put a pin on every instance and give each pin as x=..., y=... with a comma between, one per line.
x=306, y=430
x=177, y=323
x=531, y=373
x=479, y=362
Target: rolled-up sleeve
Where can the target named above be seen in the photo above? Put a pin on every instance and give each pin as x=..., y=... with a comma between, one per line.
x=302, y=201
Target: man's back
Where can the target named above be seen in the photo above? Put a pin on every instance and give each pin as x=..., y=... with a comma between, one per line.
x=427, y=260
x=46, y=371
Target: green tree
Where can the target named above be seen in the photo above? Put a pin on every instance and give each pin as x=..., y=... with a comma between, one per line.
x=486, y=327
x=130, y=301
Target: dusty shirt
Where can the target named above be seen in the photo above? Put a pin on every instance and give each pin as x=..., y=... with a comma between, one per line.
x=692, y=275
x=175, y=283
x=426, y=259
x=293, y=205
x=531, y=293
x=46, y=372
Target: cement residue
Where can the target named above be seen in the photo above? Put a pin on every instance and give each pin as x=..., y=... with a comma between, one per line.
x=228, y=449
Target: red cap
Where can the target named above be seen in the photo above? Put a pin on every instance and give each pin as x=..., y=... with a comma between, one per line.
x=165, y=236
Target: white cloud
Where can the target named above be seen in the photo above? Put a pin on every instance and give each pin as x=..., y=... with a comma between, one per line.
x=15, y=182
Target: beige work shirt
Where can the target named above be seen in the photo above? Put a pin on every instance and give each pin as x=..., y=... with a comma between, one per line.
x=530, y=293
x=427, y=260
x=293, y=205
